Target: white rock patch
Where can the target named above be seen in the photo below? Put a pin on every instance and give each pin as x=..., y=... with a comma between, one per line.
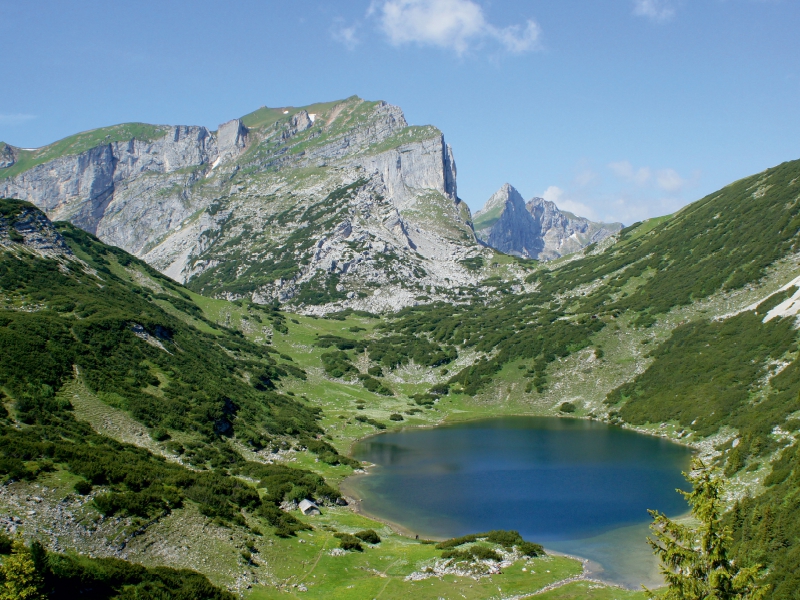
x=789, y=307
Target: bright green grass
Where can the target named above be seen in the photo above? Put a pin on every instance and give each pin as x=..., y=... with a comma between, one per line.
x=380, y=571
x=266, y=116
x=411, y=134
x=646, y=226
x=587, y=589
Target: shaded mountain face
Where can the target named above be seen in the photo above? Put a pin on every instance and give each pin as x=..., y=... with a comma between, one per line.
x=340, y=204
x=536, y=229
x=505, y=224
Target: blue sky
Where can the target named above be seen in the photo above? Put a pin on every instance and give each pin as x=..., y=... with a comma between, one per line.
x=617, y=109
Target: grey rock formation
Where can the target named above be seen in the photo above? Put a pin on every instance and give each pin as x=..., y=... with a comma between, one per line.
x=505, y=224
x=30, y=229
x=80, y=188
x=564, y=233
x=536, y=229
x=326, y=207
x=8, y=155
x=231, y=139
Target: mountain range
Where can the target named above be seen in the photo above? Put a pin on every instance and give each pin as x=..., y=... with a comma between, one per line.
x=536, y=229
x=330, y=206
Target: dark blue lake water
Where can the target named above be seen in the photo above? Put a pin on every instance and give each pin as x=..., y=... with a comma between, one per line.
x=575, y=486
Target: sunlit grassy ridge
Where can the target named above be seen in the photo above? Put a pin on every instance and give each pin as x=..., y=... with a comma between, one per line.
x=81, y=142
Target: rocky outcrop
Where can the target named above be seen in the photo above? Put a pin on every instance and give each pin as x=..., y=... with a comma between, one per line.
x=80, y=188
x=24, y=226
x=8, y=155
x=536, y=229
x=425, y=165
x=564, y=233
x=231, y=140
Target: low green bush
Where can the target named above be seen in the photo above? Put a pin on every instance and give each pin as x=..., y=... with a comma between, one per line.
x=369, y=536
x=349, y=542
x=83, y=487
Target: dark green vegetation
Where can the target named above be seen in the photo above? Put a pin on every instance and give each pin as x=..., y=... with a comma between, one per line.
x=113, y=337
x=766, y=529
x=499, y=537
x=519, y=328
x=702, y=378
x=64, y=576
x=696, y=561
x=348, y=541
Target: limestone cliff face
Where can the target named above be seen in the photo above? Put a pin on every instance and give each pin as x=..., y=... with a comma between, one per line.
x=427, y=164
x=81, y=188
x=336, y=205
x=536, y=229
x=8, y=156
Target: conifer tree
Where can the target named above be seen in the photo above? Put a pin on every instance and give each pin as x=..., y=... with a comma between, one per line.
x=694, y=560
x=22, y=581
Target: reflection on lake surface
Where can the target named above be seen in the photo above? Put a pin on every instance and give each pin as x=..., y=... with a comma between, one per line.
x=576, y=486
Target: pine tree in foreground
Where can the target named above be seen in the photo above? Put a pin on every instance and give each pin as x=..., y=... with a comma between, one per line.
x=21, y=580
x=694, y=560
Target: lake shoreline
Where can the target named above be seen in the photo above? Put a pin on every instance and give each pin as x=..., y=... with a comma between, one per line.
x=591, y=569
x=694, y=446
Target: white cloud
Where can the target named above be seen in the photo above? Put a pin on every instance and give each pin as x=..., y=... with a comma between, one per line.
x=655, y=10
x=624, y=170
x=345, y=35
x=455, y=24
x=517, y=39
x=557, y=196
x=15, y=119
x=666, y=179
x=669, y=180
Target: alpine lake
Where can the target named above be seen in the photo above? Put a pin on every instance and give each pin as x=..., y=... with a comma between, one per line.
x=577, y=487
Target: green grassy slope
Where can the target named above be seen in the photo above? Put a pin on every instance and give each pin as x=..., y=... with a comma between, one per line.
x=206, y=397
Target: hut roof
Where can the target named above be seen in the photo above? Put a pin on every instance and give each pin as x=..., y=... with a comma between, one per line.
x=307, y=506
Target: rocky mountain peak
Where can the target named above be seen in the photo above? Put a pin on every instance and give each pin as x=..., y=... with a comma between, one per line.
x=534, y=229
x=505, y=195
x=505, y=224
x=231, y=139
